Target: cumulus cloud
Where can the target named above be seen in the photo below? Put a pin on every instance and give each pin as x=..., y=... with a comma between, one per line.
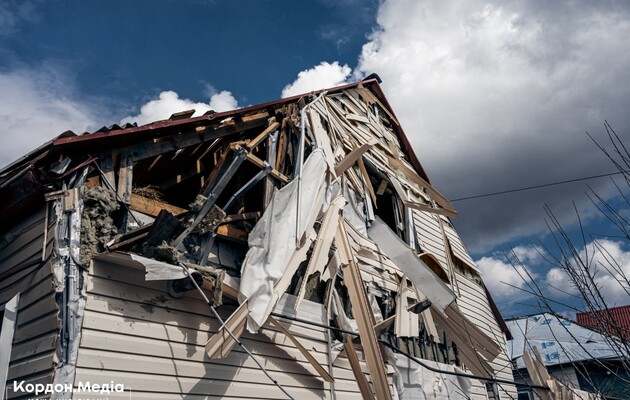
x=321, y=76
x=528, y=254
x=41, y=106
x=503, y=279
x=609, y=262
x=610, y=266
x=169, y=102
x=612, y=260
x=497, y=95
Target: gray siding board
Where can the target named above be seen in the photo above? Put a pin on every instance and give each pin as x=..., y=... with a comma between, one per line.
x=34, y=342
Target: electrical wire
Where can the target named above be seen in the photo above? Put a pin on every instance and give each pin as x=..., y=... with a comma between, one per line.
x=430, y=368
x=218, y=317
x=478, y=196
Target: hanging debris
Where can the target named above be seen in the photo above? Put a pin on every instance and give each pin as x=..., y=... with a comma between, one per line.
x=299, y=242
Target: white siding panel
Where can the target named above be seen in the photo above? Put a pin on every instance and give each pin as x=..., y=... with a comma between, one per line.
x=135, y=333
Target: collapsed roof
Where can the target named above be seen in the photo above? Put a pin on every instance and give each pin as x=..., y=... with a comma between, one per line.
x=320, y=196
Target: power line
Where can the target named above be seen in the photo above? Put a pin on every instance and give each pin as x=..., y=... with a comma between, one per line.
x=538, y=186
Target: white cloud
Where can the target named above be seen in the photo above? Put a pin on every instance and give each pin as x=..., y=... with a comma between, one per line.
x=559, y=283
x=611, y=263
x=39, y=106
x=322, y=76
x=169, y=103
x=528, y=254
x=500, y=277
x=497, y=95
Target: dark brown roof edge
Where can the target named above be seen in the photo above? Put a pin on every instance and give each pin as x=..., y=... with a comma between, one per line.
x=372, y=84
x=498, y=316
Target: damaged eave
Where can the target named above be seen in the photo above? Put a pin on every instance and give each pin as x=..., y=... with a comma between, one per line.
x=307, y=219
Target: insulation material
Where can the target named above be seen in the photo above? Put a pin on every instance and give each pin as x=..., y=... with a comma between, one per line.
x=96, y=221
x=272, y=241
x=414, y=382
x=415, y=269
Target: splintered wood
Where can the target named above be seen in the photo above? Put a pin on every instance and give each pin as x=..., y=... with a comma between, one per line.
x=314, y=206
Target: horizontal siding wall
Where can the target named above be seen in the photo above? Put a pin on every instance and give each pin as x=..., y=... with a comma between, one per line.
x=471, y=299
x=475, y=306
x=21, y=270
x=134, y=333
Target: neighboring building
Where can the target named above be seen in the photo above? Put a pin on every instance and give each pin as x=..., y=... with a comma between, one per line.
x=614, y=320
x=577, y=356
x=308, y=222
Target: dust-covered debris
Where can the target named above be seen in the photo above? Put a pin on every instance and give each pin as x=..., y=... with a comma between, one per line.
x=162, y=252
x=97, y=223
x=210, y=221
x=216, y=276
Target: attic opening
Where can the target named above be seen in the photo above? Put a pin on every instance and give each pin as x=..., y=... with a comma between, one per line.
x=462, y=266
x=389, y=205
x=435, y=266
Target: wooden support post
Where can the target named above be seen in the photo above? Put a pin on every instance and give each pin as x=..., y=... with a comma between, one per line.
x=364, y=317
x=125, y=178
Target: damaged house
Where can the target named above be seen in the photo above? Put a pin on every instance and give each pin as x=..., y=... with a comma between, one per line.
x=293, y=249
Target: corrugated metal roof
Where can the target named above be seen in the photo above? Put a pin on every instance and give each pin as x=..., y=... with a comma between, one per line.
x=615, y=320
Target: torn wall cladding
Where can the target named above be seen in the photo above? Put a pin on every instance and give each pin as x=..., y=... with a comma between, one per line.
x=293, y=249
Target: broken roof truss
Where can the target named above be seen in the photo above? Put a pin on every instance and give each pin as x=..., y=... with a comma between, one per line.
x=316, y=196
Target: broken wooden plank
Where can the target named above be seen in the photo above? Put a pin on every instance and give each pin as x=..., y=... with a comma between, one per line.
x=364, y=386
x=383, y=326
x=153, y=207
x=353, y=156
x=261, y=164
x=125, y=178
x=410, y=174
x=432, y=210
x=472, y=360
x=221, y=343
x=258, y=139
x=325, y=236
x=232, y=232
x=536, y=377
x=242, y=217
x=369, y=96
x=484, y=344
x=364, y=316
x=320, y=370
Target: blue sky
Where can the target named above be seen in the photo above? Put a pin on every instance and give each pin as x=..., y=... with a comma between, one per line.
x=127, y=51
x=493, y=95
